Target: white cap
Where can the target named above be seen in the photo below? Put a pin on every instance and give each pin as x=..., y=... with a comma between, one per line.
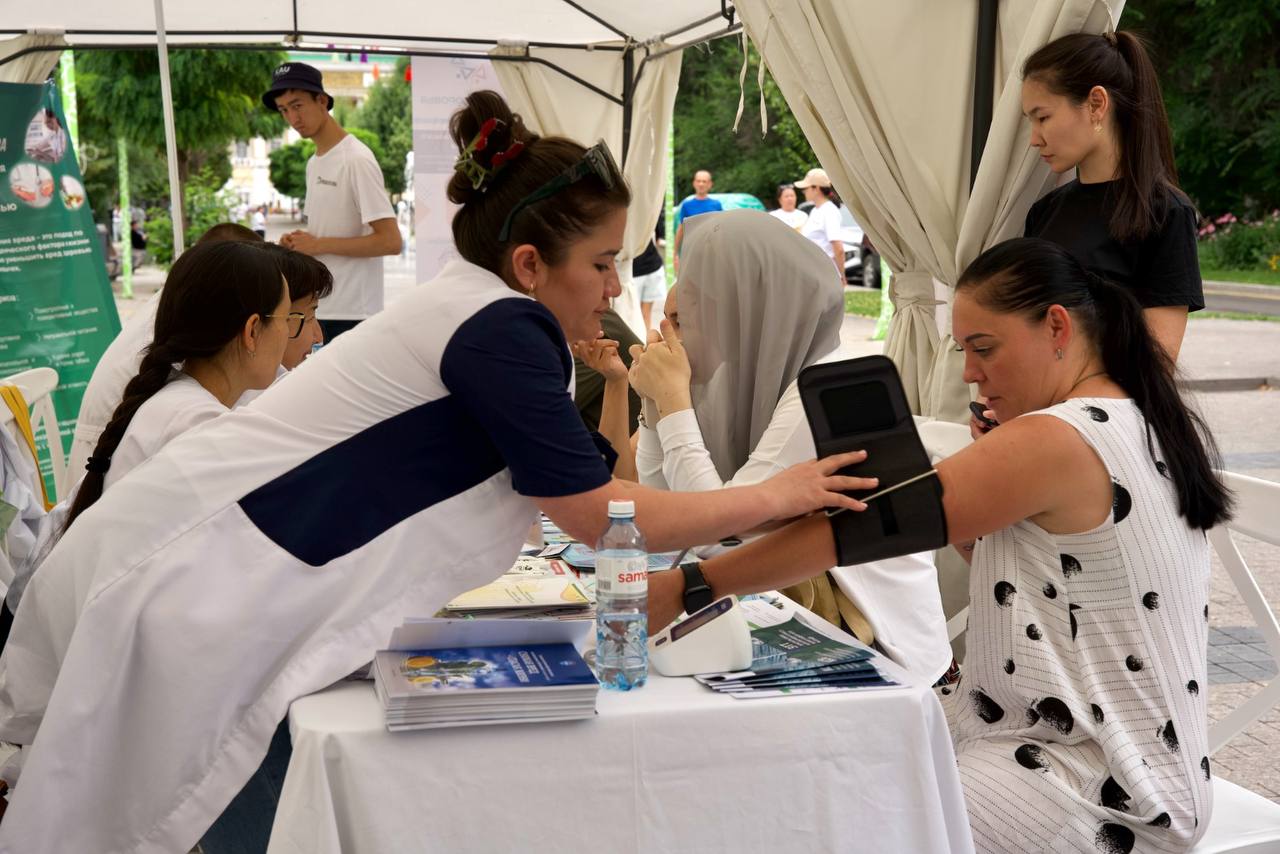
x=621, y=509
x=814, y=178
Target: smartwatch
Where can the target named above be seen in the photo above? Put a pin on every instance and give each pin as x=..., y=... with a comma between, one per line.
x=697, y=593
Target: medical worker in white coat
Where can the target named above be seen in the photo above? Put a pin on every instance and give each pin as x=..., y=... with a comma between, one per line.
x=270, y=553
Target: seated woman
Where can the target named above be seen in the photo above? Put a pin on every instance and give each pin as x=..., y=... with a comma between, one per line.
x=224, y=318
x=1079, y=723
x=756, y=306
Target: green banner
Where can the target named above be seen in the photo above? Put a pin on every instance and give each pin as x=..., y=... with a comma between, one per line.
x=56, y=307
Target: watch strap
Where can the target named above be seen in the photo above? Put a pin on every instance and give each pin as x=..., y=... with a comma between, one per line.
x=697, y=593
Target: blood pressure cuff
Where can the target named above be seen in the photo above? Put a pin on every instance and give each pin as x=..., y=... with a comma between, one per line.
x=859, y=404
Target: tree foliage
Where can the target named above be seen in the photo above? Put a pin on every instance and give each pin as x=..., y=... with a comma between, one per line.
x=288, y=168
x=206, y=204
x=743, y=162
x=1218, y=67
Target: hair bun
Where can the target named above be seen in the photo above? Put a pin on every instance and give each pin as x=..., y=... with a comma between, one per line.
x=504, y=133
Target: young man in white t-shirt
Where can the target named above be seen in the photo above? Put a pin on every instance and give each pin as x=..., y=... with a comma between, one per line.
x=350, y=221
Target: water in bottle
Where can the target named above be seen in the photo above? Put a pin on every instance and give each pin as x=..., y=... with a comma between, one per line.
x=622, y=589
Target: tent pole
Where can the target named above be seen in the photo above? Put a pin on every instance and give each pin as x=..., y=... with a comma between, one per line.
x=628, y=96
x=170, y=137
x=984, y=83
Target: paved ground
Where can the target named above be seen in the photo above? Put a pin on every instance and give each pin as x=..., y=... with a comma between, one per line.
x=1233, y=367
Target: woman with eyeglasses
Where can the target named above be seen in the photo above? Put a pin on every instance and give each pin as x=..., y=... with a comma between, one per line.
x=222, y=327
x=271, y=552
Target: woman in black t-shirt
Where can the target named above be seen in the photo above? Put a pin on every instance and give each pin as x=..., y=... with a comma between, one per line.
x=1095, y=106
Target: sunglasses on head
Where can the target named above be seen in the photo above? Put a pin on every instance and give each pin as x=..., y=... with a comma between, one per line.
x=596, y=161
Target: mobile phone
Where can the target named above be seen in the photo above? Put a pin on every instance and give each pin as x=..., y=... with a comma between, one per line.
x=978, y=411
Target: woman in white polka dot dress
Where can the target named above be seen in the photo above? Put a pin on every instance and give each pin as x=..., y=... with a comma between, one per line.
x=1080, y=722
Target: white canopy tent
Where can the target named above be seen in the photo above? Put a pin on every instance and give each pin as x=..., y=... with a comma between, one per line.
x=587, y=69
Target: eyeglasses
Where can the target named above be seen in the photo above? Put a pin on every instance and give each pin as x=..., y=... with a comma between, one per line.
x=595, y=161
x=293, y=322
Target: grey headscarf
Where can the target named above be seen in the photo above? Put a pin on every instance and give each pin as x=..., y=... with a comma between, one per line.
x=757, y=303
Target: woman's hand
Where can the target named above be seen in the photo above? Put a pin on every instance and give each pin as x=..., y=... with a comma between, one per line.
x=601, y=355
x=813, y=485
x=976, y=427
x=661, y=371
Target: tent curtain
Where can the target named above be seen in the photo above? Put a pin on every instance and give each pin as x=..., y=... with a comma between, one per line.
x=34, y=67
x=848, y=77
x=1011, y=176
x=553, y=104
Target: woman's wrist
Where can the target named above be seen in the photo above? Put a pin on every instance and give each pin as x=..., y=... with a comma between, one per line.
x=671, y=402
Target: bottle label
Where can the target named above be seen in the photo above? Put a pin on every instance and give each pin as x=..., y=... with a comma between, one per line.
x=622, y=576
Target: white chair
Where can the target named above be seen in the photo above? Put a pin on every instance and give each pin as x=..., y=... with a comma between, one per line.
x=37, y=385
x=1242, y=821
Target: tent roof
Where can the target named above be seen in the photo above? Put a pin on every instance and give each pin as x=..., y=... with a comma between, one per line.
x=404, y=24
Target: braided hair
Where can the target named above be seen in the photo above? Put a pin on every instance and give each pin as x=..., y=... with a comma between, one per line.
x=212, y=290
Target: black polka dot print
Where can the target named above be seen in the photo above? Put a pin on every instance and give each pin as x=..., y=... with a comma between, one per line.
x=1050, y=591
x=1162, y=468
x=945, y=690
x=1206, y=613
x=1193, y=688
x=1033, y=631
x=1004, y=593
x=1099, y=415
x=1204, y=766
x=1031, y=757
x=1114, y=839
x=1071, y=613
x=1169, y=736
x=1097, y=712
x=1133, y=663
x=1033, y=717
x=1113, y=796
x=1161, y=820
x=1055, y=713
x=1121, y=502
x=985, y=707
x=1070, y=566
x=1008, y=666
x=1151, y=600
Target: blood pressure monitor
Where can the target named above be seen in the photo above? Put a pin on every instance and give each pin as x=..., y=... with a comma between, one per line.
x=713, y=640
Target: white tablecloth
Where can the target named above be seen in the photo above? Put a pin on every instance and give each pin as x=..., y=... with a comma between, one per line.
x=673, y=767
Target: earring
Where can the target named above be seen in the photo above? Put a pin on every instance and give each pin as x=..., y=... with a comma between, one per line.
x=1097, y=128
x=1058, y=353
x=253, y=354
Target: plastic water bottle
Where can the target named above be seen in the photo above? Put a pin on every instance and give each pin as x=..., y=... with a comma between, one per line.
x=622, y=590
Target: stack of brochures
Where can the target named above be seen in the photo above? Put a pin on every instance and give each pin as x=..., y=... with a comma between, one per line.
x=797, y=653
x=534, y=587
x=474, y=672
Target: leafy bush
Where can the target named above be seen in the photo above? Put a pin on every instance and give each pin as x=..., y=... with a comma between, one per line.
x=1235, y=245
x=207, y=205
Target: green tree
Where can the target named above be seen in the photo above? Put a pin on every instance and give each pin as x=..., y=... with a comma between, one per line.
x=743, y=162
x=1219, y=67
x=288, y=168
x=215, y=93
x=388, y=114
x=206, y=203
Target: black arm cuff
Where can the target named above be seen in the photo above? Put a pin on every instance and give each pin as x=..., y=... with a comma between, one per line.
x=903, y=522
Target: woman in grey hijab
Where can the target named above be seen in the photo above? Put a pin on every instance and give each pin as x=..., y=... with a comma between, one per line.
x=756, y=304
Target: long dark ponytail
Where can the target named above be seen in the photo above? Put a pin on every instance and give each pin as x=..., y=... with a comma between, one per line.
x=1071, y=66
x=1027, y=276
x=211, y=290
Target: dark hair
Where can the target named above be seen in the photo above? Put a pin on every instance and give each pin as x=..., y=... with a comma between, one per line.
x=211, y=290
x=784, y=187
x=1027, y=276
x=550, y=225
x=305, y=275
x=1071, y=66
x=230, y=231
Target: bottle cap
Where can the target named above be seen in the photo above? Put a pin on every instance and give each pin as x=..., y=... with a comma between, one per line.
x=622, y=509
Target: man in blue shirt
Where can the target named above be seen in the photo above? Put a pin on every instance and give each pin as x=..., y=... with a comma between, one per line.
x=699, y=204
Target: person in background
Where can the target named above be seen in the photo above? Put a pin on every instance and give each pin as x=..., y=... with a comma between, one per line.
x=787, y=210
x=699, y=204
x=649, y=274
x=1095, y=107
x=350, y=221
x=758, y=307
x=260, y=221
x=224, y=317
x=823, y=225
